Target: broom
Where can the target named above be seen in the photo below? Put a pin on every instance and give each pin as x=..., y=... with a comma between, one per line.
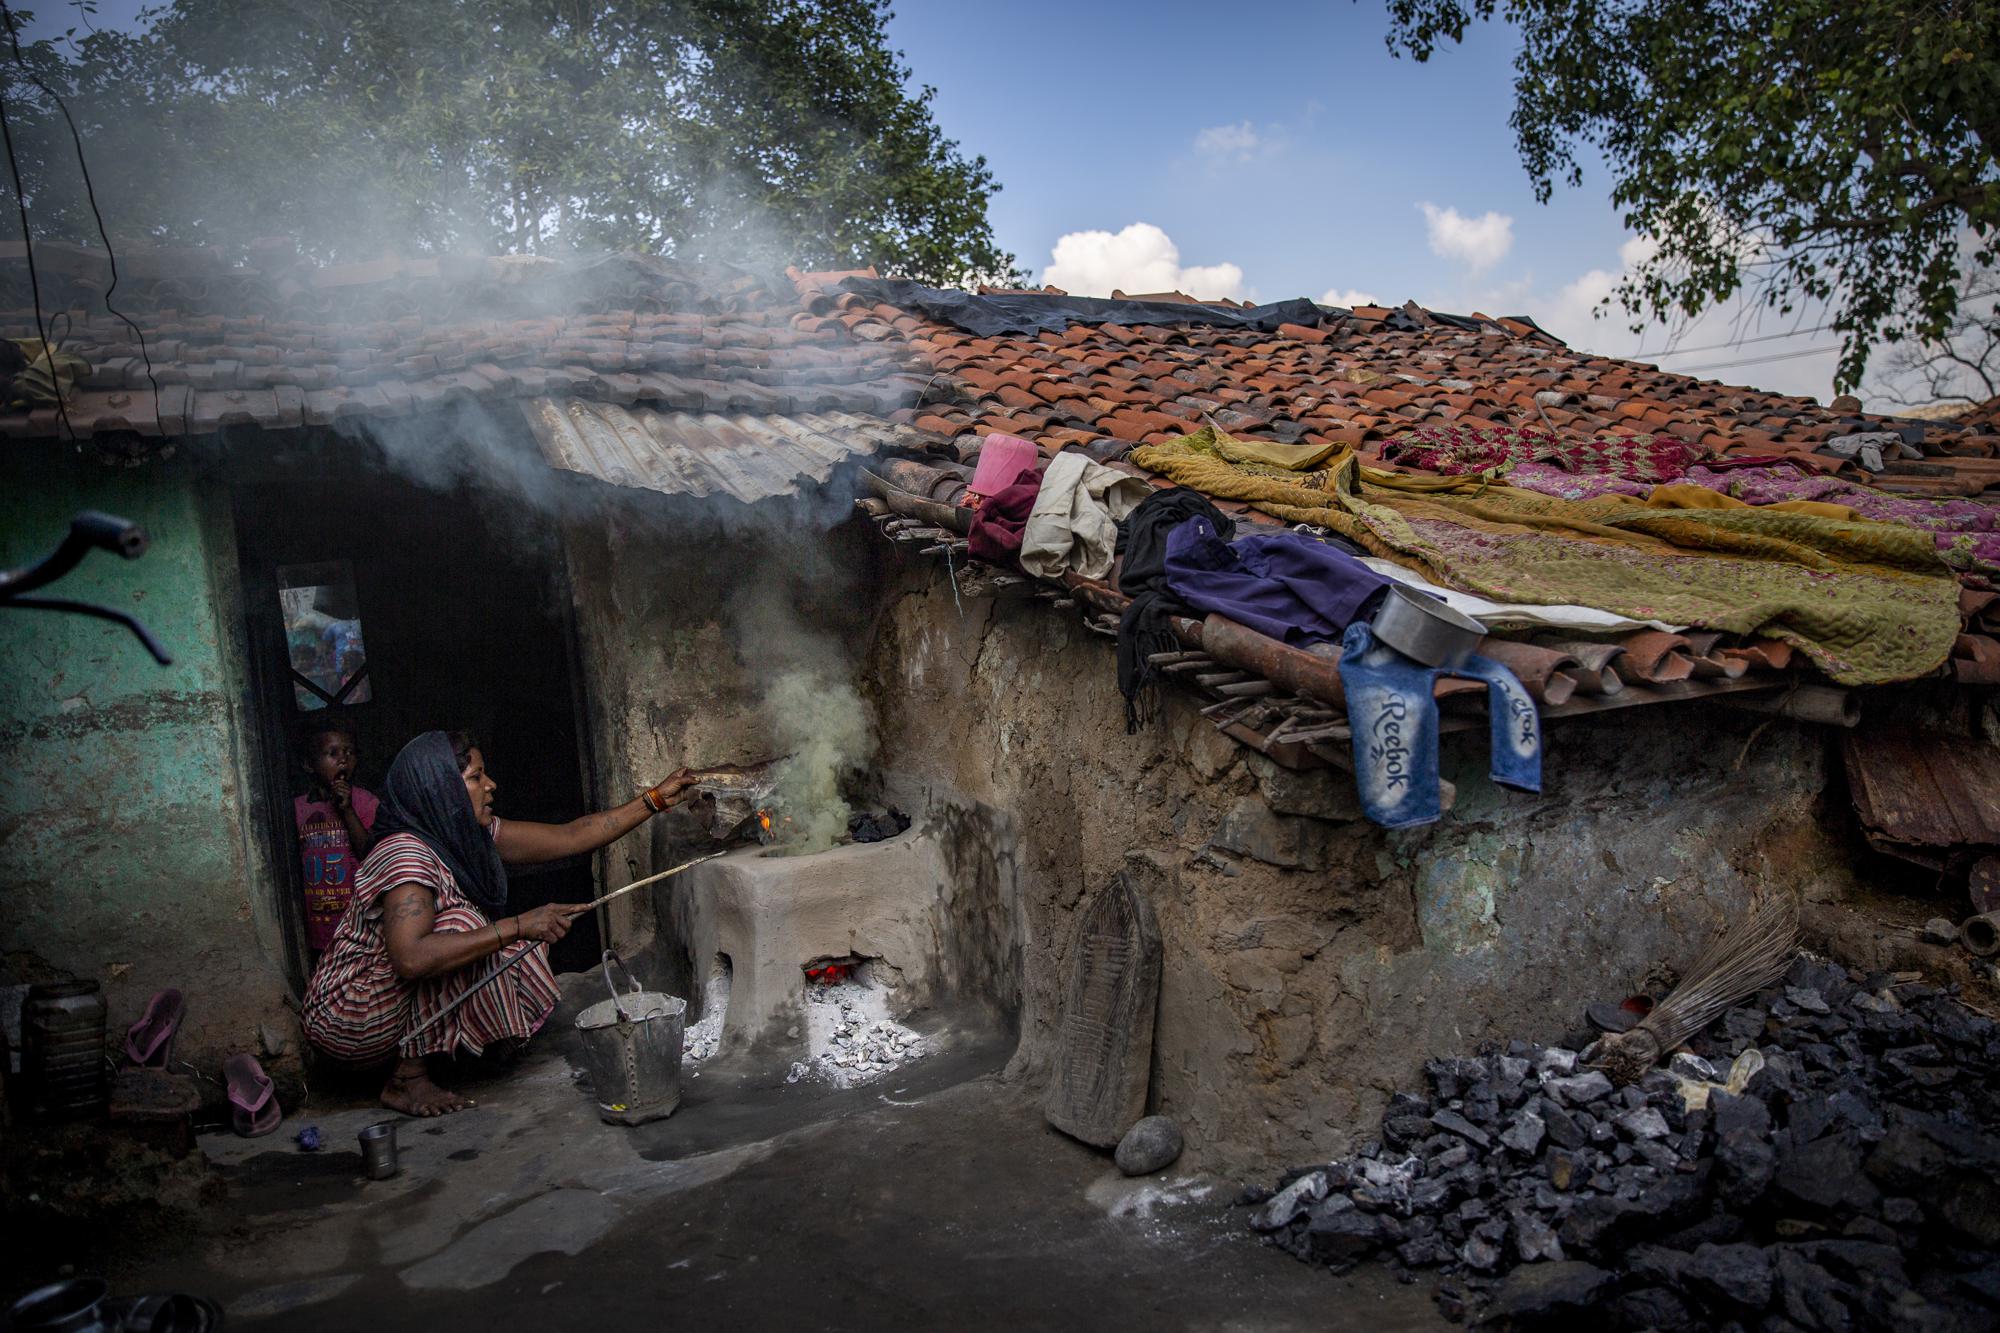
x=1739, y=961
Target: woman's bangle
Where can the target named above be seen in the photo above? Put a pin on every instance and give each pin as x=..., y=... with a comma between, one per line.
x=654, y=801
x=498, y=943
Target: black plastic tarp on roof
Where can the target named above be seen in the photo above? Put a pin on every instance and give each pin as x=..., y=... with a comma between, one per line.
x=995, y=315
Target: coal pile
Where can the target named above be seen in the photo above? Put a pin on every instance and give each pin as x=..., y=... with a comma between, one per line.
x=1851, y=1180
x=876, y=825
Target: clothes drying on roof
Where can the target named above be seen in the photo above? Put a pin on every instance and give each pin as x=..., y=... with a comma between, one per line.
x=997, y=314
x=1872, y=449
x=1142, y=629
x=1284, y=585
x=1392, y=712
x=1517, y=615
x=1869, y=603
x=1566, y=485
x=998, y=524
x=1967, y=532
x=1074, y=524
x=1452, y=450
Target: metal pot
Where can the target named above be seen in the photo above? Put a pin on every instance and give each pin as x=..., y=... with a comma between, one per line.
x=72, y=1306
x=1424, y=629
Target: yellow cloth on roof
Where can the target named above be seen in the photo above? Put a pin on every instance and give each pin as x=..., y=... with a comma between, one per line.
x=1867, y=602
x=1290, y=457
x=1686, y=495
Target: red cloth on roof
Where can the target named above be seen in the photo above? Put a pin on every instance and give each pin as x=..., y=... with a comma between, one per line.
x=998, y=523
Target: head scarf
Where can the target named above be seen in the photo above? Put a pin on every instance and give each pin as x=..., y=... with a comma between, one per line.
x=425, y=795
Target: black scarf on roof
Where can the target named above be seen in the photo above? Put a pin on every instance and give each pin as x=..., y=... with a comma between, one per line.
x=424, y=794
x=1142, y=630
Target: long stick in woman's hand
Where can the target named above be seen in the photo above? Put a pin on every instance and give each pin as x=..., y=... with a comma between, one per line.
x=651, y=879
x=501, y=970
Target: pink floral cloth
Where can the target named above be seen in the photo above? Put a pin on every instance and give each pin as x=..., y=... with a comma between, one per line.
x=1967, y=531
x=1454, y=450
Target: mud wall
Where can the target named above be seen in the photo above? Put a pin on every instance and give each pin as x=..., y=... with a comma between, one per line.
x=679, y=604
x=125, y=851
x=1312, y=960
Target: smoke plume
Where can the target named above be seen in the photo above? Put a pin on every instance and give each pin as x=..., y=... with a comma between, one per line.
x=821, y=724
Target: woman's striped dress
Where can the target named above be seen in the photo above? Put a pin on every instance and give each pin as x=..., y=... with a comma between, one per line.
x=358, y=1009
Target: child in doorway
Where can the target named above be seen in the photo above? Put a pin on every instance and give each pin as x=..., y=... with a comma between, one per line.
x=336, y=820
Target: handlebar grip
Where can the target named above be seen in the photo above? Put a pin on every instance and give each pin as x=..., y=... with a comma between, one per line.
x=108, y=532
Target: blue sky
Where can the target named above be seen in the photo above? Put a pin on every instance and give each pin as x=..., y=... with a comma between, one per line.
x=1285, y=140
x=1267, y=150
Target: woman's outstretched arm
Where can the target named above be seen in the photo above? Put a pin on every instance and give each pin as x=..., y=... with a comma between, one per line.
x=524, y=842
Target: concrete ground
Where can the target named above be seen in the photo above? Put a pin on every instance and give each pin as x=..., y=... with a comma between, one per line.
x=935, y=1198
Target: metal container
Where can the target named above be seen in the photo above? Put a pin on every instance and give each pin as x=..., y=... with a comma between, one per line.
x=62, y=1051
x=76, y=1305
x=1424, y=629
x=633, y=1042
x=378, y=1149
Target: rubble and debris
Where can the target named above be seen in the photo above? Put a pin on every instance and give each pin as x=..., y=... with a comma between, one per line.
x=850, y=1037
x=1845, y=1173
x=704, y=1038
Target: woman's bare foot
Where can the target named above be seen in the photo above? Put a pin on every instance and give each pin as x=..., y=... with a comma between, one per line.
x=411, y=1091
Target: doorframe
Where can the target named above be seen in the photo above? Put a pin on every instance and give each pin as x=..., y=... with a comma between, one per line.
x=271, y=722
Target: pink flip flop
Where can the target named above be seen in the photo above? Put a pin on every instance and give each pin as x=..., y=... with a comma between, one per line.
x=150, y=1041
x=253, y=1105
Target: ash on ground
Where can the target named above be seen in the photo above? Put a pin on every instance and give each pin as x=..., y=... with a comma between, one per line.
x=1825, y=1156
x=702, y=1040
x=850, y=1038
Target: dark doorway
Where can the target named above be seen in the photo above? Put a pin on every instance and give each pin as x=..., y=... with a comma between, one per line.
x=458, y=617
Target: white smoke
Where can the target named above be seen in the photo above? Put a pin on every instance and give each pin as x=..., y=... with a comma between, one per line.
x=820, y=723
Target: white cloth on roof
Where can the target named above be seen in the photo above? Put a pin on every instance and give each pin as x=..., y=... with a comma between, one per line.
x=1871, y=448
x=1074, y=524
x=1518, y=615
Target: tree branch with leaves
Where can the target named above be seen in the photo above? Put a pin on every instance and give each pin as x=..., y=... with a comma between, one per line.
x=752, y=131
x=1836, y=152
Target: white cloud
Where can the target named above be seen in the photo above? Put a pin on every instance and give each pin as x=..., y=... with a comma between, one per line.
x=1570, y=314
x=1478, y=243
x=1141, y=258
x=1349, y=297
x=1240, y=141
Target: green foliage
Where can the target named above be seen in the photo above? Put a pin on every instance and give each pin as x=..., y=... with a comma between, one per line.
x=1837, y=151
x=754, y=131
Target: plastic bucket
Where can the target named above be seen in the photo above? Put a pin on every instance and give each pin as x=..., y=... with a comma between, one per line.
x=1001, y=459
x=633, y=1045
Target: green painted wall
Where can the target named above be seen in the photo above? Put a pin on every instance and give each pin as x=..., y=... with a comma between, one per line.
x=125, y=853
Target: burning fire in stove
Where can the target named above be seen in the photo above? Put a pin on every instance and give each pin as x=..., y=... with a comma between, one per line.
x=772, y=827
x=829, y=973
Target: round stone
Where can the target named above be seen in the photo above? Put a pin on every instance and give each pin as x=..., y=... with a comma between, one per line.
x=1149, y=1146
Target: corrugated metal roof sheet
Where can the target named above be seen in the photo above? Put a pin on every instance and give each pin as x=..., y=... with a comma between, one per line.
x=703, y=453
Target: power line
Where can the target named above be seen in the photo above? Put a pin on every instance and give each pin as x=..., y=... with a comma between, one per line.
x=28, y=247
x=90, y=193
x=1733, y=344
x=1759, y=360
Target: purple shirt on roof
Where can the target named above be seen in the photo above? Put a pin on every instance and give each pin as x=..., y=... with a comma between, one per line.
x=1282, y=584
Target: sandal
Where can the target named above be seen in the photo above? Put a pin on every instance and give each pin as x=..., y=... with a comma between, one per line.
x=150, y=1041
x=253, y=1103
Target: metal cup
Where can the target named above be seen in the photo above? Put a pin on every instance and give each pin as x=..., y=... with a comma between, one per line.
x=378, y=1149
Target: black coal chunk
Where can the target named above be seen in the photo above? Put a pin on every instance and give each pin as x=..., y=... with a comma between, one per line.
x=876, y=826
x=1731, y=1275
x=1344, y=1236
x=1544, y=1295
x=1953, y=1171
